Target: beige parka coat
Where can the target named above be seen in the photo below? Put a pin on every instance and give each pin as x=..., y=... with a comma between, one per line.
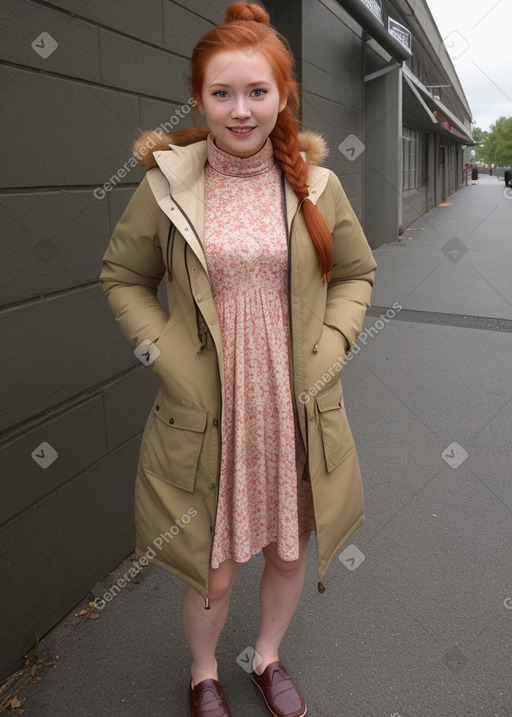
x=162, y=232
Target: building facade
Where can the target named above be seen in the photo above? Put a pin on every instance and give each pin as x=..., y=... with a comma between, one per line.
x=79, y=80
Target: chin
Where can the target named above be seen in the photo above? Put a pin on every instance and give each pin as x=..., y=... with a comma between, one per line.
x=241, y=148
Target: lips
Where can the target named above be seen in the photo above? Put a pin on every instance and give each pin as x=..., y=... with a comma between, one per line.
x=241, y=130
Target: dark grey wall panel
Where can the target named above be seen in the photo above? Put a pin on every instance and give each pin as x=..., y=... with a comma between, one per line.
x=77, y=53
x=87, y=131
x=213, y=11
x=330, y=44
x=127, y=403
x=51, y=242
x=322, y=83
x=182, y=28
x=127, y=16
x=170, y=115
x=62, y=346
x=56, y=550
x=321, y=112
x=145, y=70
x=332, y=93
x=76, y=435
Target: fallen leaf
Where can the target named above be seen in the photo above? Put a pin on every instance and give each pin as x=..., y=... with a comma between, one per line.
x=83, y=611
x=14, y=703
x=94, y=615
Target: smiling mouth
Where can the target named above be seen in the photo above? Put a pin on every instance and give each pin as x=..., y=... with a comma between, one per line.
x=241, y=130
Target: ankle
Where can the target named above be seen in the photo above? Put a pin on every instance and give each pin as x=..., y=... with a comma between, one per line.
x=262, y=659
x=203, y=672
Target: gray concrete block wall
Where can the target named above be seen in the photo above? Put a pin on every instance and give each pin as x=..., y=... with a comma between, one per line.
x=68, y=377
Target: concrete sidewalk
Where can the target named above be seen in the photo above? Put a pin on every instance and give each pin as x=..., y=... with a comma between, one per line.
x=417, y=617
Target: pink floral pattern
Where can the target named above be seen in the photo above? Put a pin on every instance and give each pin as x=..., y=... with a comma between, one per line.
x=263, y=497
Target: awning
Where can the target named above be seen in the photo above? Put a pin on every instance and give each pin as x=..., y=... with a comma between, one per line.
x=372, y=21
x=420, y=104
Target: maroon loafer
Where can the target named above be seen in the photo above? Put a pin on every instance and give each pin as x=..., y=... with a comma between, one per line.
x=207, y=700
x=279, y=691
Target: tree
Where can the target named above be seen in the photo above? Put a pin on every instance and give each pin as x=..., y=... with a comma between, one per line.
x=480, y=137
x=498, y=145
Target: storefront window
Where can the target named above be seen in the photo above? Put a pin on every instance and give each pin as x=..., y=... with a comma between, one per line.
x=414, y=146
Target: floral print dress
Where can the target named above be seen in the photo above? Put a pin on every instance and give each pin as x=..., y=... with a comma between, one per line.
x=263, y=496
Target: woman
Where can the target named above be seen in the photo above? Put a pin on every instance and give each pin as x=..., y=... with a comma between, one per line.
x=269, y=275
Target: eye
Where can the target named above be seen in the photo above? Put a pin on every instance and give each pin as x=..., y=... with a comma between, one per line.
x=221, y=94
x=259, y=92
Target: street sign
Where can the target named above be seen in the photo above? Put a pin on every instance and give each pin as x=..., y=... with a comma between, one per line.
x=400, y=33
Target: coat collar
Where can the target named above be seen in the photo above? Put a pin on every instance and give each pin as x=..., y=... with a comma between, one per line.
x=178, y=186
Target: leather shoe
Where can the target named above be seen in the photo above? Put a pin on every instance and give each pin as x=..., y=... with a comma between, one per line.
x=207, y=700
x=279, y=691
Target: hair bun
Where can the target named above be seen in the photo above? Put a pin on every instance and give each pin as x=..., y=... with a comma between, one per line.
x=246, y=11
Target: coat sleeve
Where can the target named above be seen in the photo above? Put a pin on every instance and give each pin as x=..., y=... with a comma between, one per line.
x=133, y=268
x=350, y=286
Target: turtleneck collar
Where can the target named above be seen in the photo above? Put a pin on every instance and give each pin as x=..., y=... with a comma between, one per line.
x=228, y=164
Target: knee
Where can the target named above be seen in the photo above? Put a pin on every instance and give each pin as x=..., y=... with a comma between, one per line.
x=220, y=582
x=286, y=568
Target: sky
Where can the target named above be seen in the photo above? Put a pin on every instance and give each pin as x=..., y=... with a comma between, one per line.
x=478, y=38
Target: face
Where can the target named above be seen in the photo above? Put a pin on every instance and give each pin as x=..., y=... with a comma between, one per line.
x=240, y=101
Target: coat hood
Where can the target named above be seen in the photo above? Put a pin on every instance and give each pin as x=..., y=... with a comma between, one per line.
x=311, y=143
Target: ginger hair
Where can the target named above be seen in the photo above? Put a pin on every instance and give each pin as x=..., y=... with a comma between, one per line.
x=247, y=26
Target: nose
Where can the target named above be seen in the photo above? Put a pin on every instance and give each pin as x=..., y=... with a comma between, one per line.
x=240, y=109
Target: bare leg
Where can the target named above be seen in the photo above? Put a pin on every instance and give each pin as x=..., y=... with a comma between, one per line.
x=203, y=627
x=280, y=590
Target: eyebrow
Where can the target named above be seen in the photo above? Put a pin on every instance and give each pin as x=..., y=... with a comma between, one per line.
x=250, y=84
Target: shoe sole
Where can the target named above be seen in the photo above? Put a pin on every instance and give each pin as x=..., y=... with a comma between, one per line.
x=268, y=706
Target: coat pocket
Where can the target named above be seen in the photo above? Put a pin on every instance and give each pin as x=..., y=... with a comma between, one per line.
x=173, y=442
x=337, y=438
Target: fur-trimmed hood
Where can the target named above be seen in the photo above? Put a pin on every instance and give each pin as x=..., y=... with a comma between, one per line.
x=312, y=144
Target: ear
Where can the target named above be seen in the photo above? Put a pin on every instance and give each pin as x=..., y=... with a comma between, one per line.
x=199, y=105
x=282, y=103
